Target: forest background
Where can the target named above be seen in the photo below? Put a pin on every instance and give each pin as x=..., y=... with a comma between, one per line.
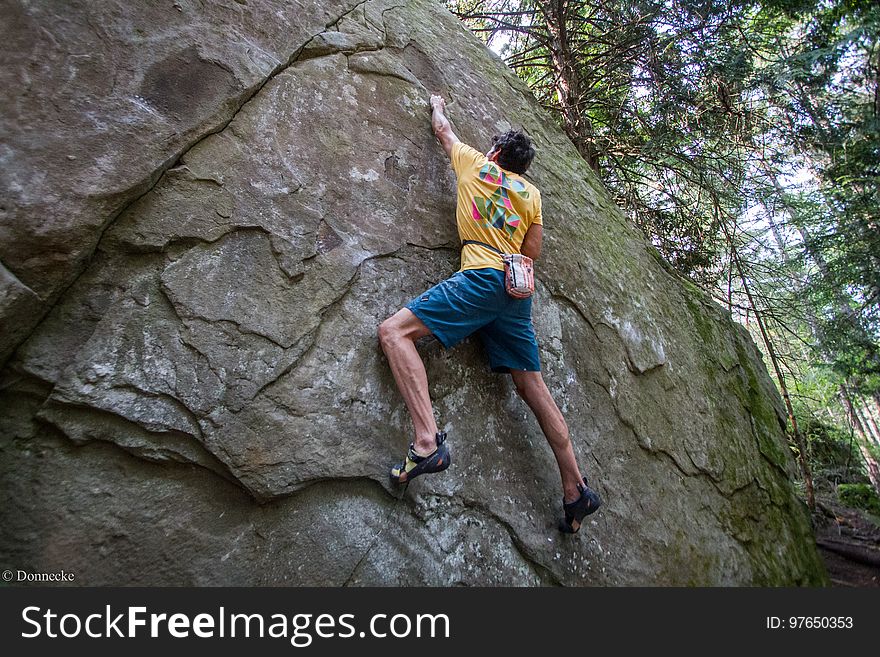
x=743, y=138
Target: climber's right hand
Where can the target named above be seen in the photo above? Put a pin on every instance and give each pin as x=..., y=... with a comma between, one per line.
x=441, y=125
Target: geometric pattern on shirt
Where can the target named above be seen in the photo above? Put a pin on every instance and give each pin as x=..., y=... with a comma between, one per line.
x=497, y=210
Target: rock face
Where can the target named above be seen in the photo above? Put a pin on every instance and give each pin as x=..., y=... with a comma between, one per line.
x=207, y=210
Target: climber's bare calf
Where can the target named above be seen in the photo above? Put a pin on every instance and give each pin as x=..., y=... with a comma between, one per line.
x=531, y=387
x=397, y=335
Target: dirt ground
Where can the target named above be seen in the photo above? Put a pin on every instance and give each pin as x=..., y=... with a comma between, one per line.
x=849, y=542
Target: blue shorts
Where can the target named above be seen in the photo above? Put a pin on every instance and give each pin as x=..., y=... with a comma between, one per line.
x=476, y=301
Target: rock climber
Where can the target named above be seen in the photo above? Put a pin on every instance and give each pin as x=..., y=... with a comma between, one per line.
x=498, y=212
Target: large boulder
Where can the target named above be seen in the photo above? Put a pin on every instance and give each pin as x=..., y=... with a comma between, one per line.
x=209, y=208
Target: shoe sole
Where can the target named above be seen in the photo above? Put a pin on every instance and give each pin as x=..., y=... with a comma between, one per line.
x=443, y=462
x=565, y=528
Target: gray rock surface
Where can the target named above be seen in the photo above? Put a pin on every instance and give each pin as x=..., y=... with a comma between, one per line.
x=208, y=209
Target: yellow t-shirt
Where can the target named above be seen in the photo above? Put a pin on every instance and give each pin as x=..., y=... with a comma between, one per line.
x=495, y=206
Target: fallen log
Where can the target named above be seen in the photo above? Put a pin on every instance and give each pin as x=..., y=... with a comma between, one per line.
x=851, y=551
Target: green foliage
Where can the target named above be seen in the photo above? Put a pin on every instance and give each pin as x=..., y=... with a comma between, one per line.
x=834, y=455
x=828, y=90
x=859, y=496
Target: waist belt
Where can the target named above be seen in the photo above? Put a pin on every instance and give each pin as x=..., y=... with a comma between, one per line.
x=488, y=246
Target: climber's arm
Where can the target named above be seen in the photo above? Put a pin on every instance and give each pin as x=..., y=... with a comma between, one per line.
x=440, y=124
x=531, y=245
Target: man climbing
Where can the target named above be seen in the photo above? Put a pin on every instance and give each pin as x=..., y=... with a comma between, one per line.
x=498, y=212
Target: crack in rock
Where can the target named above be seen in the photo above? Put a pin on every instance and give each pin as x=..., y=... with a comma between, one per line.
x=154, y=177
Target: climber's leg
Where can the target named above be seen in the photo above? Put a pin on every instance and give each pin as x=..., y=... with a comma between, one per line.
x=578, y=500
x=397, y=335
x=450, y=311
x=531, y=387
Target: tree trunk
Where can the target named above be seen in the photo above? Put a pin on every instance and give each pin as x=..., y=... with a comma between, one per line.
x=870, y=438
x=872, y=467
x=851, y=413
x=577, y=125
x=868, y=420
x=783, y=388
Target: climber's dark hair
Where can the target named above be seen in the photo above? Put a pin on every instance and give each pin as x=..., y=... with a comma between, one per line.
x=517, y=151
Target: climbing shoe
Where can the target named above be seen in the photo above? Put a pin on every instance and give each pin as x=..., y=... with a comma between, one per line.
x=576, y=511
x=414, y=465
